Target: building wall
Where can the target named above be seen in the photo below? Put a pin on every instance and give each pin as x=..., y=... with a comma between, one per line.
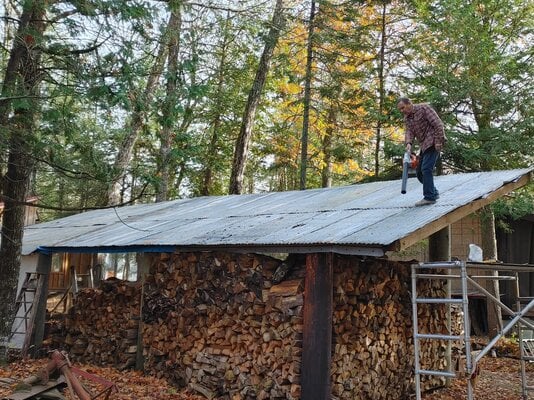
x=516, y=245
x=30, y=213
x=120, y=265
x=465, y=232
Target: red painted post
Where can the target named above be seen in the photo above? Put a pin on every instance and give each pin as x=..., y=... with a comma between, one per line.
x=317, y=330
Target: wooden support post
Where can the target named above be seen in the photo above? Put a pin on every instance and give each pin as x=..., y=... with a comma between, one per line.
x=44, y=265
x=142, y=271
x=90, y=277
x=74, y=281
x=139, y=356
x=317, y=330
x=144, y=260
x=439, y=245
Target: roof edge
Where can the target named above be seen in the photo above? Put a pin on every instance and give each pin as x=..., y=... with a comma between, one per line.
x=461, y=212
x=340, y=249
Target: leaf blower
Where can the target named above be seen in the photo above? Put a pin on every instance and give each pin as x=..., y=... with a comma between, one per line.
x=408, y=161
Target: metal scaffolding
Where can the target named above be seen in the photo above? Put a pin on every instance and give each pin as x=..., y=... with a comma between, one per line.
x=458, y=270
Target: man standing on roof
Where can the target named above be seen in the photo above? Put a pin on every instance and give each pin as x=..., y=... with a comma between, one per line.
x=423, y=123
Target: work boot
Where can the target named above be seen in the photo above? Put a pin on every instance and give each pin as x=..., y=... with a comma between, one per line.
x=424, y=202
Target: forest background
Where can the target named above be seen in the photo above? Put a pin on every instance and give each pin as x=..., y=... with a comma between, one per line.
x=112, y=102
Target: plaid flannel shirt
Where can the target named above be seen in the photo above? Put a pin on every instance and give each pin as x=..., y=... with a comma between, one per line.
x=424, y=125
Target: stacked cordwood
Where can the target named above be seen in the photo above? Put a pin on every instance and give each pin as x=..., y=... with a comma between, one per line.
x=225, y=324
x=231, y=325
x=373, y=354
x=102, y=325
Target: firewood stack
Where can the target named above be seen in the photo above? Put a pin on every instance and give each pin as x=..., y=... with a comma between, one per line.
x=231, y=325
x=102, y=325
x=373, y=347
x=225, y=324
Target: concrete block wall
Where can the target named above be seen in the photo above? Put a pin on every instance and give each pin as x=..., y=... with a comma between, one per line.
x=463, y=233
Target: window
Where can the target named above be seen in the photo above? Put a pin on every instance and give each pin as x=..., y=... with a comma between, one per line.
x=57, y=261
x=120, y=265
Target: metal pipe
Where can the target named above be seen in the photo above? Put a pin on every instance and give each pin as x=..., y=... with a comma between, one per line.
x=433, y=300
x=415, y=339
x=508, y=310
x=467, y=330
x=500, y=267
x=63, y=365
x=448, y=350
x=490, y=277
x=437, y=373
x=493, y=277
x=520, y=337
x=439, y=265
x=505, y=330
x=438, y=276
x=438, y=336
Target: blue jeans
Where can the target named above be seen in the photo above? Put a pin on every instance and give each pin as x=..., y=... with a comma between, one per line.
x=425, y=169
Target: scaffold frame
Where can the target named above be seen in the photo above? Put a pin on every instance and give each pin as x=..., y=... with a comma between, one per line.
x=458, y=270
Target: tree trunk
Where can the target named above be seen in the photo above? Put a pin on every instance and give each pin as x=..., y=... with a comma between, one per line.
x=381, y=81
x=245, y=133
x=182, y=169
x=21, y=77
x=307, y=100
x=326, y=172
x=169, y=107
x=489, y=251
x=136, y=123
x=212, y=150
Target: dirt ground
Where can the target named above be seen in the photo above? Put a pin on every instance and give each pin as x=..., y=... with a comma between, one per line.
x=499, y=379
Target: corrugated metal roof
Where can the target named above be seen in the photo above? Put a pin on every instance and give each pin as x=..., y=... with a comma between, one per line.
x=362, y=216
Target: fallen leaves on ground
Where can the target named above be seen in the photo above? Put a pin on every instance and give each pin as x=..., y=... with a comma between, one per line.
x=499, y=379
x=132, y=385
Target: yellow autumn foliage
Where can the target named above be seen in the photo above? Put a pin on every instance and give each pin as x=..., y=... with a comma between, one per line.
x=289, y=88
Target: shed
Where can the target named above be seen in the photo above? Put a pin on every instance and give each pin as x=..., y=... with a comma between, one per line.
x=344, y=235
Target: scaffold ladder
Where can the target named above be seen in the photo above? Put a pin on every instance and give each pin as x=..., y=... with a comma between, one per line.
x=526, y=345
x=433, y=271
x=517, y=318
